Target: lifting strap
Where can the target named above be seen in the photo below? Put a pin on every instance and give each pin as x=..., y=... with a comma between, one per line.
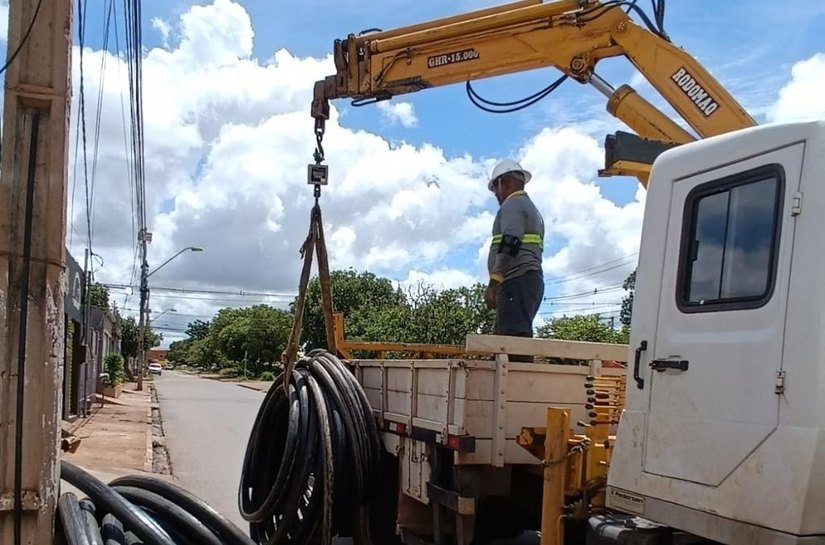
x=314, y=241
x=317, y=177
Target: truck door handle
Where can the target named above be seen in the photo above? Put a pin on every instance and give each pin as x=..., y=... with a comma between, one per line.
x=640, y=382
x=662, y=365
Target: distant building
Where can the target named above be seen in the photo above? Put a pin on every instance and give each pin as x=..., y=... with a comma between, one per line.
x=157, y=354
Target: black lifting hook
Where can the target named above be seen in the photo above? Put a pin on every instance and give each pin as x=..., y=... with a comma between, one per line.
x=318, y=174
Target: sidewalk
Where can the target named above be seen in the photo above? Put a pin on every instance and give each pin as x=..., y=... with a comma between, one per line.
x=116, y=438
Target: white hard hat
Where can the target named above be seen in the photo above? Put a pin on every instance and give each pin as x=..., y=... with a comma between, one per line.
x=507, y=165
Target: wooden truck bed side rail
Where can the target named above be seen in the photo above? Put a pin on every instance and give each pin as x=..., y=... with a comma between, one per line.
x=346, y=348
x=550, y=348
x=485, y=346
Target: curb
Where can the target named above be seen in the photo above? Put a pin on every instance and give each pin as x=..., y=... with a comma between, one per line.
x=242, y=384
x=248, y=387
x=149, y=459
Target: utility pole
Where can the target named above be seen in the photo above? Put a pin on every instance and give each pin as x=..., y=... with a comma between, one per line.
x=145, y=324
x=144, y=307
x=32, y=265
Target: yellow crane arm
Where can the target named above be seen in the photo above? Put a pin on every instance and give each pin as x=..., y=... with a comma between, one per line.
x=570, y=35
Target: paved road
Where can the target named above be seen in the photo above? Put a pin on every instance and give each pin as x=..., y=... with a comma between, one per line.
x=207, y=424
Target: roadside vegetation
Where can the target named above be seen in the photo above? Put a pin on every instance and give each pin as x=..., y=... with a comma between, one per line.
x=247, y=342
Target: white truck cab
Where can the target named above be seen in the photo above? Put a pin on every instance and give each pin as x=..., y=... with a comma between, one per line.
x=722, y=434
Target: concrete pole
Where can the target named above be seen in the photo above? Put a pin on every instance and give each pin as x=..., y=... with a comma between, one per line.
x=32, y=263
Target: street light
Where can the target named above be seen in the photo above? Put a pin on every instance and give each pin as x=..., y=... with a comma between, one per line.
x=188, y=248
x=161, y=314
x=144, y=303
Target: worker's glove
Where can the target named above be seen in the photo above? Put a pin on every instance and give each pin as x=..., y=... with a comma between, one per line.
x=490, y=295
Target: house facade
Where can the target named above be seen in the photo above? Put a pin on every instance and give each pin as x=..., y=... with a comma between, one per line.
x=90, y=334
x=75, y=387
x=104, y=338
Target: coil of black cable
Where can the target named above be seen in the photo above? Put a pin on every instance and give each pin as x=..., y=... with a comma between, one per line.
x=138, y=510
x=313, y=461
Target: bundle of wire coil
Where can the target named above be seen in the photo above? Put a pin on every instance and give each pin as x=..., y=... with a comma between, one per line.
x=137, y=510
x=313, y=461
x=312, y=471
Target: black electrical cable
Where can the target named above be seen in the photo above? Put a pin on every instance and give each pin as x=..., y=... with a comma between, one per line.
x=222, y=527
x=596, y=13
x=73, y=519
x=139, y=510
x=104, y=497
x=23, y=40
x=512, y=106
x=180, y=524
x=92, y=529
x=312, y=465
x=23, y=332
x=520, y=104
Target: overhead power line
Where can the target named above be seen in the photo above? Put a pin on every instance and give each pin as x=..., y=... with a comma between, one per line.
x=244, y=293
x=594, y=270
x=596, y=291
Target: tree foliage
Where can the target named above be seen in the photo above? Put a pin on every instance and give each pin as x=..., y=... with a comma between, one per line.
x=99, y=295
x=629, y=286
x=198, y=329
x=590, y=328
x=373, y=308
x=358, y=296
x=427, y=315
x=129, y=336
x=113, y=362
x=255, y=335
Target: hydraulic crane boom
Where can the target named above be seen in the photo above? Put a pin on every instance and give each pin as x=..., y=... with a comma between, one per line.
x=570, y=35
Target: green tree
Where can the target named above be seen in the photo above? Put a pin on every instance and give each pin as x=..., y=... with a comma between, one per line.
x=629, y=286
x=590, y=328
x=204, y=353
x=351, y=292
x=99, y=295
x=198, y=329
x=177, y=351
x=195, y=331
x=257, y=335
x=428, y=316
x=447, y=316
x=129, y=336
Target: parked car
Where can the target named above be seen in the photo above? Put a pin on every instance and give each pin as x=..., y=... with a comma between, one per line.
x=155, y=369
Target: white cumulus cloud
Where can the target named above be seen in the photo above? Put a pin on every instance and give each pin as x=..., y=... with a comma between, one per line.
x=228, y=137
x=163, y=27
x=802, y=99
x=398, y=112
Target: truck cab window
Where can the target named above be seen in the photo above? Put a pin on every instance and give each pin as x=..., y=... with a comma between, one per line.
x=730, y=242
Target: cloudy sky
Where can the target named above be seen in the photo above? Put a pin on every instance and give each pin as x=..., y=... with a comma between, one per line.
x=227, y=90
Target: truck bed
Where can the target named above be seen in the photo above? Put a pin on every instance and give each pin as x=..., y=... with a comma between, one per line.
x=478, y=407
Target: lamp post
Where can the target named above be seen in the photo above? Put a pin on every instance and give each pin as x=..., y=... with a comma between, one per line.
x=144, y=304
x=187, y=249
x=161, y=314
